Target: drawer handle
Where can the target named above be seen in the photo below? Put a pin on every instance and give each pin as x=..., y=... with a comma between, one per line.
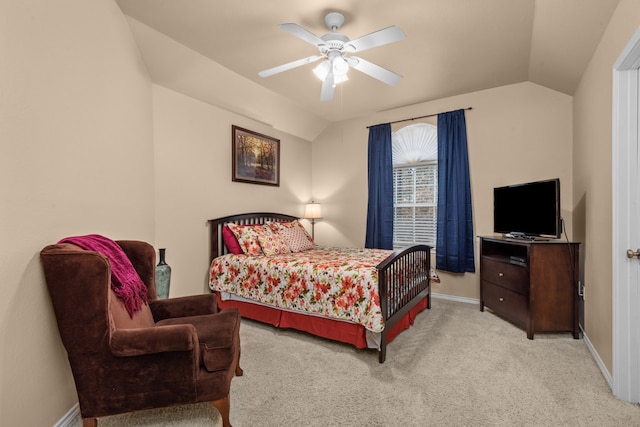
x=501, y=299
x=500, y=274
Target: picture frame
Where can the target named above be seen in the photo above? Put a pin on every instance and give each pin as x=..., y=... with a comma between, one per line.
x=255, y=157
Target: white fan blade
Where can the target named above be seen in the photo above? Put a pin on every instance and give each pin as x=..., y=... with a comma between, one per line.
x=375, y=71
x=378, y=38
x=289, y=66
x=327, y=87
x=303, y=34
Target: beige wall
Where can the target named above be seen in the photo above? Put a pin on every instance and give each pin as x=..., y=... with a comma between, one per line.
x=592, y=160
x=76, y=157
x=516, y=133
x=193, y=177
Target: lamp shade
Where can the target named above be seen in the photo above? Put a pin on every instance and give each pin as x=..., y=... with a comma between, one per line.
x=340, y=68
x=313, y=210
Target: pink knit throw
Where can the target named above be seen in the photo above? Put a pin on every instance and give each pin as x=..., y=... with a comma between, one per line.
x=125, y=281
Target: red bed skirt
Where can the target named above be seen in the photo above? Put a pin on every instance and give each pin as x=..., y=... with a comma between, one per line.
x=335, y=330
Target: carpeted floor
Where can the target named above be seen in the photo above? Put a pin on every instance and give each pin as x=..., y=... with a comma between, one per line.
x=455, y=367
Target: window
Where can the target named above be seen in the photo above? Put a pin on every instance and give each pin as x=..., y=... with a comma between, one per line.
x=414, y=206
x=415, y=185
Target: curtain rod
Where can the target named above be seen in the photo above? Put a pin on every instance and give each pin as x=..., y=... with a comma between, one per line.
x=421, y=117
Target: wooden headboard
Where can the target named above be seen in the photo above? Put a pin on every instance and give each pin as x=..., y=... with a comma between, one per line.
x=215, y=227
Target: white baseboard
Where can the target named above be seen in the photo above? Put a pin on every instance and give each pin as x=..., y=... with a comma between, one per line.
x=71, y=419
x=596, y=357
x=455, y=298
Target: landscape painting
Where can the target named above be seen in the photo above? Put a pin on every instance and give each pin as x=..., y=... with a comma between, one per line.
x=256, y=157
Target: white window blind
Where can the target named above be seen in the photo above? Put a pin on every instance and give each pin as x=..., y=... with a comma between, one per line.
x=415, y=204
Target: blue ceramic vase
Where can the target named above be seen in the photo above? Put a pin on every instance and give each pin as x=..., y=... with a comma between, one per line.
x=163, y=277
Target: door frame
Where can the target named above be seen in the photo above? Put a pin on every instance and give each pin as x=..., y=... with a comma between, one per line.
x=626, y=223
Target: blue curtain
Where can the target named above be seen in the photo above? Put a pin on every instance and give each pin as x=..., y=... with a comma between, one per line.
x=454, y=241
x=380, y=207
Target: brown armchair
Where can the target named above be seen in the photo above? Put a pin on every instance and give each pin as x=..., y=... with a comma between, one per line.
x=172, y=352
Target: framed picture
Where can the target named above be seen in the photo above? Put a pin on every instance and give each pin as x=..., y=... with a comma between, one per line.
x=256, y=157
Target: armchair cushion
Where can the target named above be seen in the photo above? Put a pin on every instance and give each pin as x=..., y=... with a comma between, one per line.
x=120, y=316
x=218, y=337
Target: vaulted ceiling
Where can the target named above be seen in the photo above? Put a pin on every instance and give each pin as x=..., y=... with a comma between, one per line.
x=452, y=47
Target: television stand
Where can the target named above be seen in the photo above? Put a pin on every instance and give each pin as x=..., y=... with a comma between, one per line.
x=532, y=284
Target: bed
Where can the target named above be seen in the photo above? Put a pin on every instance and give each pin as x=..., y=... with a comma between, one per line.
x=384, y=290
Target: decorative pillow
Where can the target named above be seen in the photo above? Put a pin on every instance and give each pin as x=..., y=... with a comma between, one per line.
x=247, y=236
x=230, y=241
x=277, y=226
x=272, y=243
x=294, y=234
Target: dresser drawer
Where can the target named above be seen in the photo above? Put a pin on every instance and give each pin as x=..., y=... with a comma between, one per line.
x=506, y=303
x=506, y=275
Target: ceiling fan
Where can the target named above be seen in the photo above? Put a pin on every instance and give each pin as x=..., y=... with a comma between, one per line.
x=335, y=50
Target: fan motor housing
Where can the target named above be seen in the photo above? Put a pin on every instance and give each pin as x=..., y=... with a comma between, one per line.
x=335, y=41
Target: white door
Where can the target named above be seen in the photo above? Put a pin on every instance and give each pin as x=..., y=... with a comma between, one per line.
x=626, y=223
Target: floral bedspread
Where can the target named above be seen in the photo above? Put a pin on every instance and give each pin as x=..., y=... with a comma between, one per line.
x=340, y=283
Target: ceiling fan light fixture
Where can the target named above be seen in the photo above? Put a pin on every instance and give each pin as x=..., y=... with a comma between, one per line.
x=339, y=73
x=322, y=70
x=340, y=66
x=340, y=78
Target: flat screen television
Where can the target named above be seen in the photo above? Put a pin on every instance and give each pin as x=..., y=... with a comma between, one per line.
x=528, y=210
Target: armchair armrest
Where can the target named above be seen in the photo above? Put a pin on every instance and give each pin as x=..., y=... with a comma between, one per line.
x=157, y=339
x=194, y=305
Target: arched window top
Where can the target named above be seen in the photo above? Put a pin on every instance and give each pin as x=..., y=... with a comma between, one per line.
x=414, y=144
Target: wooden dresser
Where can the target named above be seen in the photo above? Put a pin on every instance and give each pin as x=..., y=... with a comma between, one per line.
x=531, y=283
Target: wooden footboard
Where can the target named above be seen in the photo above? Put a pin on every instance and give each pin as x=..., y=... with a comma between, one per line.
x=403, y=281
